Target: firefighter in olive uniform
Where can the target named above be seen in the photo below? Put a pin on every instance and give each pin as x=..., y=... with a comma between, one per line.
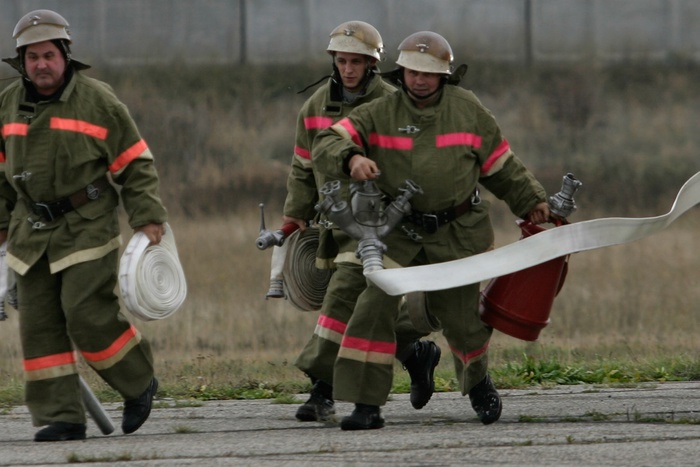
x=441, y=137
x=64, y=136
x=355, y=47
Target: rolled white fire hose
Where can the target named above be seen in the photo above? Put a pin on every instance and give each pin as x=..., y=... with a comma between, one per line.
x=151, y=279
x=536, y=249
x=304, y=283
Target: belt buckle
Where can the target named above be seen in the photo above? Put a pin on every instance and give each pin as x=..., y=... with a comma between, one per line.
x=430, y=223
x=43, y=210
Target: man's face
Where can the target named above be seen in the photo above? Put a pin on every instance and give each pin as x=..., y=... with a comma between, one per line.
x=420, y=84
x=352, y=69
x=45, y=66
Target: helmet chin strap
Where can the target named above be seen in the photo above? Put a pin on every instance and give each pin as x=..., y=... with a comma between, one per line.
x=65, y=49
x=423, y=98
x=400, y=80
x=369, y=72
x=365, y=79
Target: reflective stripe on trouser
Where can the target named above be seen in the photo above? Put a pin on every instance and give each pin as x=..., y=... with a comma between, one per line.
x=317, y=359
x=364, y=368
x=76, y=307
x=363, y=376
x=318, y=356
x=467, y=336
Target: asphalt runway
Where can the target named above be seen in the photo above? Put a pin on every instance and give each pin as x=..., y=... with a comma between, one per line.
x=645, y=425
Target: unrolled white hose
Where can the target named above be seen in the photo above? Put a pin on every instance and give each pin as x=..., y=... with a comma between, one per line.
x=536, y=249
x=151, y=279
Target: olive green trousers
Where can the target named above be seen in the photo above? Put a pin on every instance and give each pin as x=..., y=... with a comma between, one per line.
x=70, y=315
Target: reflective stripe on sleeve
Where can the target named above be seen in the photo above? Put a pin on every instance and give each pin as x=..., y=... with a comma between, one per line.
x=129, y=155
x=345, y=128
x=301, y=152
x=496, y=159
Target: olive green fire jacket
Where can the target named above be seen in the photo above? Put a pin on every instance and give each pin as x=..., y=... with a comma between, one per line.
x=448, y=149
x=52, y=149
x=320, y=111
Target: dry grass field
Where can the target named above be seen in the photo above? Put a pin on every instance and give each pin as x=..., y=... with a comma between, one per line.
x=635, y=303
x=223, y=145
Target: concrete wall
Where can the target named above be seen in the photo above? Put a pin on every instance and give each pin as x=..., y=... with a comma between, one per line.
x=289, y=31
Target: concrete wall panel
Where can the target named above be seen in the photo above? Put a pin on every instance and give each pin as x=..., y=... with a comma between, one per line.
x=474, y=29
x=685, y=34
x=567, y=20
x=292, y=31
x=627, y=30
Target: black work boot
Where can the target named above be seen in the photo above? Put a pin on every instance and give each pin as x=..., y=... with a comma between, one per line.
x=320, y=406
x=485, y=401
x=136, y=411
x=421, y=367
x=364, y=417
x=61, y=431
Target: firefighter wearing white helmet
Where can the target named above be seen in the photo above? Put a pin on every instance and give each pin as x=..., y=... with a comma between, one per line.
x=65, y=140
x=356, y=47
x=441, y=137
x=40, y=26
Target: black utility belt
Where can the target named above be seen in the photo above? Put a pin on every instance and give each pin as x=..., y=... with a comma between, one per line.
x=430, y=221
x=50, y=211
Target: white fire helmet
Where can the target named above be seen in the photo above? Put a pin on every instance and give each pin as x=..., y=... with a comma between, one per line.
x=356, y=37
x=39, y=26
x=426, y=51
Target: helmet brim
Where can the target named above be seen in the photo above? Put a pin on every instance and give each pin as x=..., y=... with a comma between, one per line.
x=41, y=33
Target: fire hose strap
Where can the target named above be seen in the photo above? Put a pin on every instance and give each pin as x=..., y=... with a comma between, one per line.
x=151, y=279
x=536, y=249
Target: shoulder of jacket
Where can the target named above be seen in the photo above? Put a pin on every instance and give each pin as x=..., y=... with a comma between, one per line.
x=315, y=101
x=386, y=85
x=456, y=92
x=11, y=88
x=379, y=102
x=320, y=95
x=96, y=87
x=93, y=83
